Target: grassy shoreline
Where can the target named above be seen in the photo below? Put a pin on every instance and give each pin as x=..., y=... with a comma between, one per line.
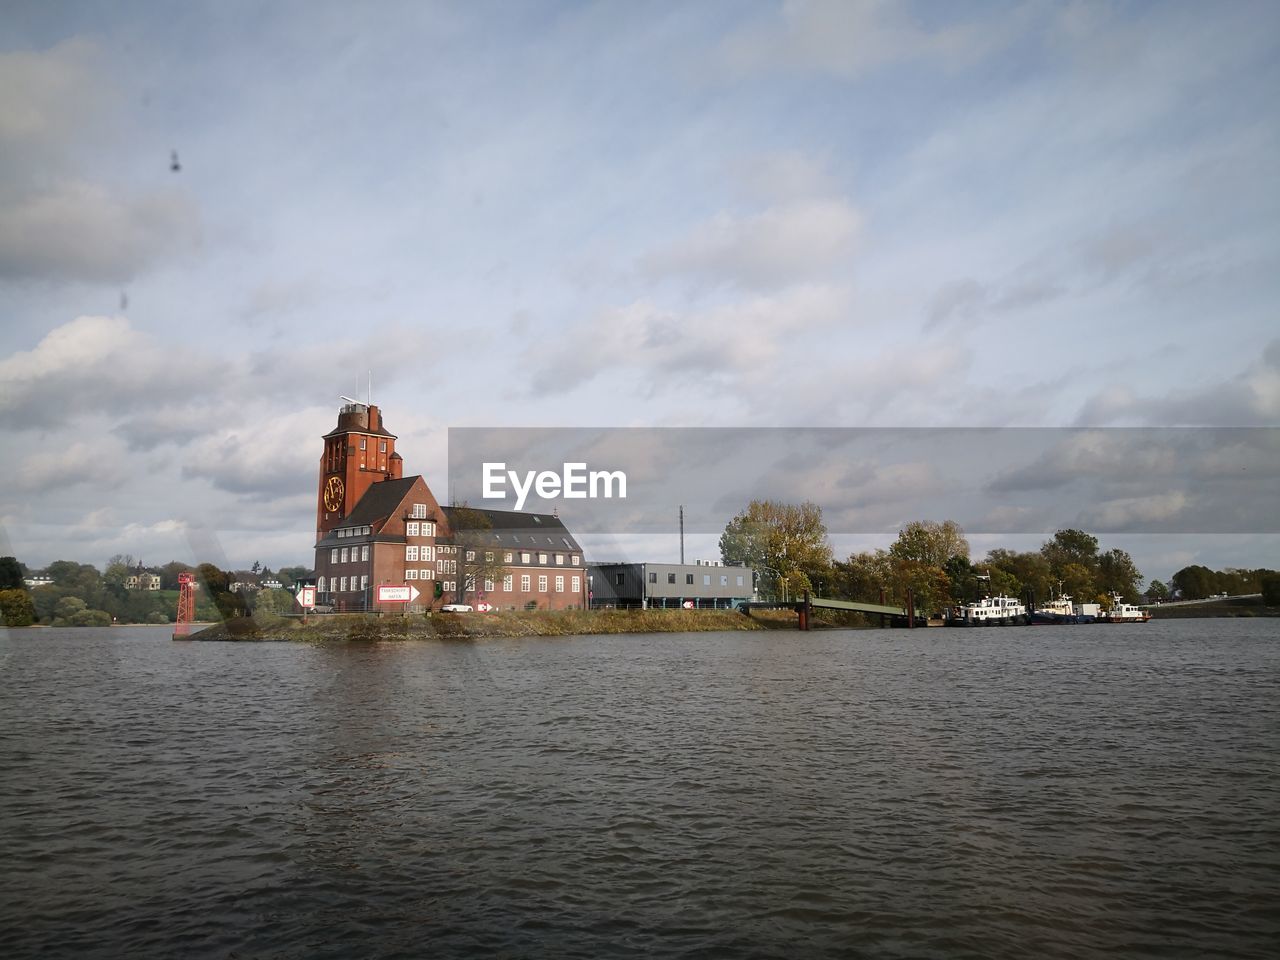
x=365, y=627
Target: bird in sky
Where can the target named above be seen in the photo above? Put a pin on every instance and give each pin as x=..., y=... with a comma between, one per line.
x=174, y=165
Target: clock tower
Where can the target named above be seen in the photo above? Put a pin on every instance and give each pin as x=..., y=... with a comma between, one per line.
x=358, y=453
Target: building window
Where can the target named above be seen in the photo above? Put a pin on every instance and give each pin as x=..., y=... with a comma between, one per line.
x=577, y=560
x=333, y=555
x=320, y=585
x=411, y=528
x=364, y=552
x=706, y=579
x=428, y=529
x=542, y=558
x=411, y=553
x=343, y=588
x=471, y=555
x=577, y=585
x=419, y=511
x=506, y=557
x=424, y=574
x=526, y=557
x=739, y=581
x=559, y=559
x=426, y=552
x=449, y=586
x=344, y=555
x=724, y=581
x=524, y=583
x=671, y=578
x=506, y=583
x=488, y=586
x=542, y=584
x=653, y=577
x=619, y=579
x=559, y=584
x=411, y=574
x=688, y=579
x=488, y=556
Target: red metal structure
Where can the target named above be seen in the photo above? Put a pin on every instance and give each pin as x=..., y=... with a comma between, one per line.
x=186, y=606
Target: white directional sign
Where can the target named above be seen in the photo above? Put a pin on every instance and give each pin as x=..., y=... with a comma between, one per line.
x=306, y=597
x=396, y=593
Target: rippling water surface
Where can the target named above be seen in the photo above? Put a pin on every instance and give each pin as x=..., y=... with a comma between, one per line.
x=1046, y=792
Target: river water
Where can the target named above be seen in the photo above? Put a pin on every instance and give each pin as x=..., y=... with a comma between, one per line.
x=1018, y=792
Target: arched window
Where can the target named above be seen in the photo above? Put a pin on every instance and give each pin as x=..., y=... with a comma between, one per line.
x=320, y=585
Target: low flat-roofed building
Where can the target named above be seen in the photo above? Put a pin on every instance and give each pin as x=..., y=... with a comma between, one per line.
x=698, y=585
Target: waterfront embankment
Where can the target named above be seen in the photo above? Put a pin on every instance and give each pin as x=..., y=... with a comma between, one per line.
x=514, y=623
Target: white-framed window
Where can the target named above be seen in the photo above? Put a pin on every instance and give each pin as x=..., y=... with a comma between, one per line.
x=471, y=555
x=424, y=574
x=739, y=581
x=364, y=552
x=449, y=586
x=364, y=582
x=488, y=556
x=506, y=583
x=411, y=528
x=411, y=574
x=488, y=586
x=559, y=584
x=577, y=584
x=706, y=579
x=542, y=583
x=724, y=581
x=559, y=559
x=506, y=557
x=428, y=529
x=419, y=511
x=577, y=560
x=526, y=557
x=524, y=583
x=343, y=588
x=542, y=558
x=333, y=555
x=344, y=555
x=426, y=552
x=320, y=585
x=411, y=553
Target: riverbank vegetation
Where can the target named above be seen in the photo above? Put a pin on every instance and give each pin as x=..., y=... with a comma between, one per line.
x=477, y=626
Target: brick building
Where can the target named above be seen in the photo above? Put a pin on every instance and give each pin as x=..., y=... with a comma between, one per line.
x=375, y=526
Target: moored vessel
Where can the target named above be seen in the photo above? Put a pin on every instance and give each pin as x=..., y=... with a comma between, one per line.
x=1063, y=610
x=989, y=612
x=1122, y=612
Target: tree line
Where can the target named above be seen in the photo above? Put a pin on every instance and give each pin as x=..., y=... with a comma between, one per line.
x=81, y=595
x=787, y=545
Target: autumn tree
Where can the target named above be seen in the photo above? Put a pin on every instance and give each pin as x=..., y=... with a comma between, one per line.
x=16, y=608
x=1117, y=573
x=478, y=559
x=786, y=544
x=11, y=574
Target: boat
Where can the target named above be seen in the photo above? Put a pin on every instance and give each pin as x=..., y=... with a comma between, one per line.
x=989, y=612
x=1063, y=610
x=1122, y=612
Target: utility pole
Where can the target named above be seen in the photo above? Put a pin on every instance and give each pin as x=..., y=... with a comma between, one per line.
x=682, y=534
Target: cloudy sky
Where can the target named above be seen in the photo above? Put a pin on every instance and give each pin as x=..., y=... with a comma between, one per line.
x=834, y=214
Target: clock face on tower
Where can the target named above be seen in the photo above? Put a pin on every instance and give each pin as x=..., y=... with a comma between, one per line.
x=333, y=494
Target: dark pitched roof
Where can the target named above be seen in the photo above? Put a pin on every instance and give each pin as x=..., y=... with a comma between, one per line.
x=379, y=501
x=515, y=530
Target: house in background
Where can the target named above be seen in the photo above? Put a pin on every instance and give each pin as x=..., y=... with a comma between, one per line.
x=701, y=584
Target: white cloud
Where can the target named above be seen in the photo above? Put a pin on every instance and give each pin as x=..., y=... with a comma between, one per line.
x=853, y=37
x=775, y=248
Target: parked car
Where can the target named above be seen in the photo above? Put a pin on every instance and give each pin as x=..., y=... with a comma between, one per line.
x=456, y=608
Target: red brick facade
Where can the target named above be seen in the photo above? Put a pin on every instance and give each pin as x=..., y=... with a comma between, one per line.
x=376, y=527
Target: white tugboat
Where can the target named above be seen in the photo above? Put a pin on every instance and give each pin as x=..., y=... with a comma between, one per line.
x=1122, y=612
x=990, y=612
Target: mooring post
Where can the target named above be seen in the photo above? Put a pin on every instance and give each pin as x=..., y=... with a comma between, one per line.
x=804, y=609
x=911, y=609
